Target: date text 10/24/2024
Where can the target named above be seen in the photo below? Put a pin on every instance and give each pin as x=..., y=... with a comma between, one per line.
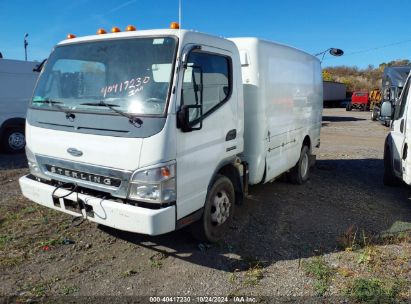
x=202, y=299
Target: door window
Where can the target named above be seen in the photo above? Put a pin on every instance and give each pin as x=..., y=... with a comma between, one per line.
x=207, y=79
x=399, y=112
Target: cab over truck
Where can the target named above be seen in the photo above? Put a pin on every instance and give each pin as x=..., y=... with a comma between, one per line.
x=397, y=161
x=392, y=83
x=17, y=81
x=149, y=131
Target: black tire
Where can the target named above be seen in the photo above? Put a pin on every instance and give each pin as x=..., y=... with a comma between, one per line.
x=348, y=107
x=374, y=114
x=13, y=140
x=215, y=222
x=389, y=179
x=300, y=173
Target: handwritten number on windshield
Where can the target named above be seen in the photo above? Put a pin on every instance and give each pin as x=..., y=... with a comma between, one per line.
x=131, y=86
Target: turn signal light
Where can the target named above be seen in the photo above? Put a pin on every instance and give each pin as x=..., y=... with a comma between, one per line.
x=131, y=28
x=174, y=25
x=165, y=172
x=101, y=31
x=115, y=29
x=71, y=36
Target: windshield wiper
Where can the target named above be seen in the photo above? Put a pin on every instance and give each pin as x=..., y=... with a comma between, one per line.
x=135, y=121
x=48, y=101
x=53, y=103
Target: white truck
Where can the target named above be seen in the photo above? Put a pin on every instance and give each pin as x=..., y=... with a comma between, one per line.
x=397, y=162
x=17, y=81
x=149, y=131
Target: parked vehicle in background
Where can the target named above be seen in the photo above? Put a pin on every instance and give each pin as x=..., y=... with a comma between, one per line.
x=17, y=81
x=397, y=158
x=359, y=101
x=149, y=131
x=334, y=93
x=375, y=101
x=392, y=83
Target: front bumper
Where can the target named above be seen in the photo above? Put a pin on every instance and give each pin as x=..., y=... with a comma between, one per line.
x=106, y=212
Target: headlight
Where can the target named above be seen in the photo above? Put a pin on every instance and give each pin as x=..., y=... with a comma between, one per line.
x=155, y=185
x=32, y=162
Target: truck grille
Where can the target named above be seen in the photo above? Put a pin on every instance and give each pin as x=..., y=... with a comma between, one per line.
x=84, y=176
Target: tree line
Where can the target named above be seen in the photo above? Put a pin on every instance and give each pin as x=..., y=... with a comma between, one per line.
x=360, y=79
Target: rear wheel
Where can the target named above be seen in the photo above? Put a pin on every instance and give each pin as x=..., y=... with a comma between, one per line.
x=374, y=114
x=389, y=179
x=218, y=211
x=348, y=107
x=300, y=173
x=13, y=140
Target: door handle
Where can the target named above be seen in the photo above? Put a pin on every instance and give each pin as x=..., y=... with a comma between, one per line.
x=232, y=134
x=405, y=152
x=402, y=126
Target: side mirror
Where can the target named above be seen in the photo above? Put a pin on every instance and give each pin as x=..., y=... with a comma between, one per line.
x=188, y=116
x=386, y=109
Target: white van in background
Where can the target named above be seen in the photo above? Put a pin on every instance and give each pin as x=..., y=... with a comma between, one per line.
x=17, y=81
x=397, y=158
x=150, y=131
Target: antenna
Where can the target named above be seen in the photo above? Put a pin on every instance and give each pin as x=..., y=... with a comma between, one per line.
x=179, y=12
x=25, y=45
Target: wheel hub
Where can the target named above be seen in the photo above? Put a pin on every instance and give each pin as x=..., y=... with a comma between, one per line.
x=16, y=140
x=220, y=210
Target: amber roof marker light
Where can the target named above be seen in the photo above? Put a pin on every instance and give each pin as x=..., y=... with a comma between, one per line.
x=131, y=28
x=174, y=25
x=115, y=29
x=71, y=36
x=101, y=31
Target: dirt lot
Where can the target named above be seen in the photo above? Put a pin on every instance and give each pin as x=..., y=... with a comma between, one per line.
x=320, y=239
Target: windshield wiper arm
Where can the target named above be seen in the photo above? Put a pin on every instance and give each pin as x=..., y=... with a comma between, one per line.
x=135, y=121
x=99, y=104
x=53, y=103
x=48, y=101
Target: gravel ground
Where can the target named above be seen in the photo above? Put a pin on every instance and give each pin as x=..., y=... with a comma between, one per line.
x=277, y=232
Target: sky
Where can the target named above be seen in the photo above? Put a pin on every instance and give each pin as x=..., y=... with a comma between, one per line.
x=369, y=31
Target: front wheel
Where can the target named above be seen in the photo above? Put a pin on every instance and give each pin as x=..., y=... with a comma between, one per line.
x=13, y=140
x=218, y=211
x=300, y=173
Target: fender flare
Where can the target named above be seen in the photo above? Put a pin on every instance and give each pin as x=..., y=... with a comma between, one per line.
x=236, y=179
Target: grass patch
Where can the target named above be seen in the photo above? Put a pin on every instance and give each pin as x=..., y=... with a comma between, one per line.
x=128, y=273
x=4, y=239
x=371, y=290
x=39, y=290
x=11, y=261
x=156, y=260
x=253, y=275
x=69, y=290
x=50, y=242
x=30, y=209
x=321, y=272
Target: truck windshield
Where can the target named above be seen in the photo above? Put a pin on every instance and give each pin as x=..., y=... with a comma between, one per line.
x=132, y=75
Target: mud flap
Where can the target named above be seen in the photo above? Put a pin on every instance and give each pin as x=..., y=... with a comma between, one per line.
x=313, y=159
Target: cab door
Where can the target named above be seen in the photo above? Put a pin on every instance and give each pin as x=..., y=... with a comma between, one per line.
x=206, y=88
x=401, y=136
